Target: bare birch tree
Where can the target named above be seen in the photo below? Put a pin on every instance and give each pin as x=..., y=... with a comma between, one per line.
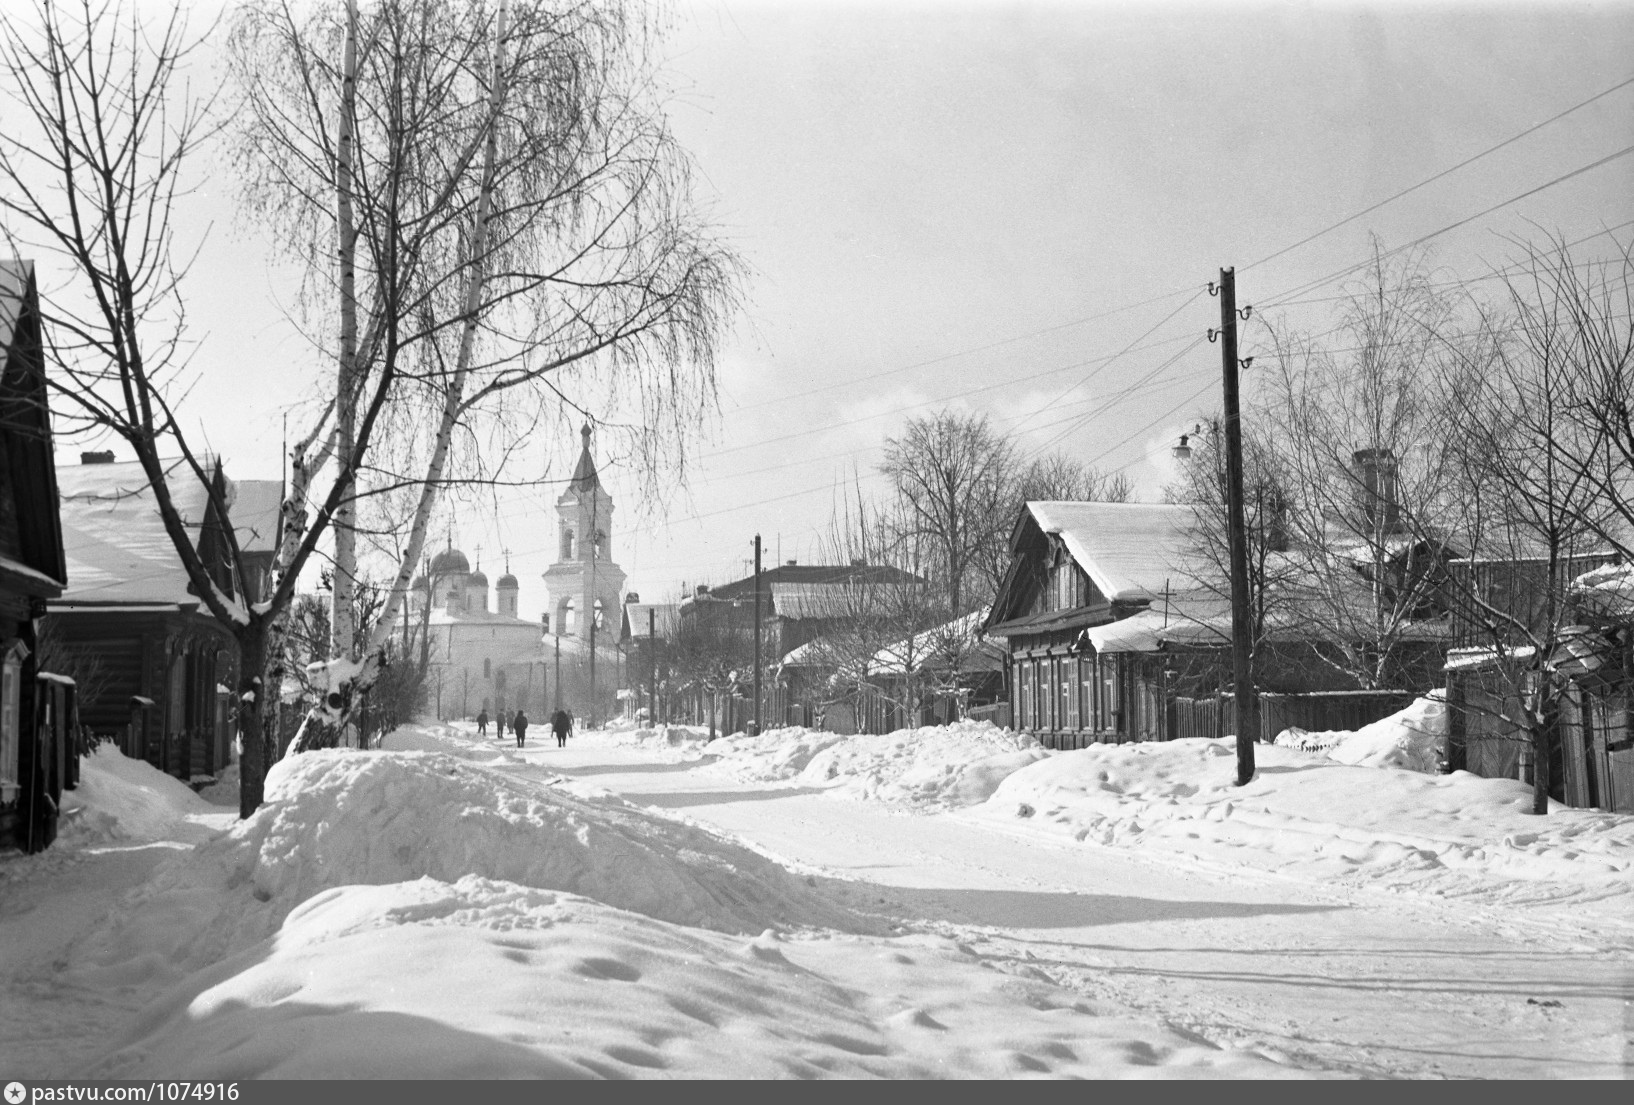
x=488, y=196
x=93, y=159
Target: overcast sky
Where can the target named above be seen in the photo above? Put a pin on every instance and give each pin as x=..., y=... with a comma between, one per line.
x=1011, y=209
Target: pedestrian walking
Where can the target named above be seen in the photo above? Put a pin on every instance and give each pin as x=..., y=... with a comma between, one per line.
x=520, y=724
x=562, y=723
x=482, y=724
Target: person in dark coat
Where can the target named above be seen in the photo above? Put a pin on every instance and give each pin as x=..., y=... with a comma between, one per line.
x=482, y=724
x=520, y=724
x=562, y=723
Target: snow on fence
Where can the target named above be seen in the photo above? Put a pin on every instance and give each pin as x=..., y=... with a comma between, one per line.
x=1216, y=715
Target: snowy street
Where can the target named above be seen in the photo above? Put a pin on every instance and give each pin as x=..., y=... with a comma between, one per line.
x=1370, y=983
x=645, y=904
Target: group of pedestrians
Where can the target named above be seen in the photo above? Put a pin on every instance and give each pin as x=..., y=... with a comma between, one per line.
x=561, y=723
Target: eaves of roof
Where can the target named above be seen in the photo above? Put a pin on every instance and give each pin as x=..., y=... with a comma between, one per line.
x=1079, y=617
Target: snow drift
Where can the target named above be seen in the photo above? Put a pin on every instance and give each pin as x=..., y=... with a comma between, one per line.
x=121, y=799
x=1411, y=738
x=934, y=767
x=494, y=980
x=337, y=818
x=1305, y=815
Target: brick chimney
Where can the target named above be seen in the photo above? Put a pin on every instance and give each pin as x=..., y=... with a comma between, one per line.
x=1376, y=490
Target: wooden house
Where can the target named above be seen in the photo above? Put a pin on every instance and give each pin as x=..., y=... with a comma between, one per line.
x=1111, y=639
x=38, y=753
x=157, y=670
x=1579, y=607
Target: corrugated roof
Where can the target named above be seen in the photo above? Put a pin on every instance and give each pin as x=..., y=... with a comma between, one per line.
x=1130, y=551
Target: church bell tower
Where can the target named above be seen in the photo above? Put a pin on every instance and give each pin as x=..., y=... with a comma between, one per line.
x=584, y=580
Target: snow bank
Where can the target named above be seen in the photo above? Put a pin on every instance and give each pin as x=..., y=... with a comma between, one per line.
x=1412, y=738
x=341, y=817
x=489, y=979
x=1305, y=815
x=223, y=791
x=934, y=767
x=121, y=799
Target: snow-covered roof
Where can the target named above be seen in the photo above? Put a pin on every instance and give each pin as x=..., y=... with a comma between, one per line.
x=1608, y=590
x=1192, y=618
x=115, y=543
x=923, y=647
x=113, y=538
x=1130, y=551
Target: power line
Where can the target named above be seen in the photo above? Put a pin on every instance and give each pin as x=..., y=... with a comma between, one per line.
x=1278, y=301
x=1444, y=172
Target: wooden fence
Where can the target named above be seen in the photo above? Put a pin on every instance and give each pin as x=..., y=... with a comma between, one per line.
x=1216, y=716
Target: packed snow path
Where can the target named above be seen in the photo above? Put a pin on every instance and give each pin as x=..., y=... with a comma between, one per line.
x=1363, y=981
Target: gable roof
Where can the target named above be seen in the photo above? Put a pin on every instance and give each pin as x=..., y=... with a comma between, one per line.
x=115, y=541
x=1130, y=551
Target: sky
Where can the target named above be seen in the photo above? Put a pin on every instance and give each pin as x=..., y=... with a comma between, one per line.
x=1014, y=210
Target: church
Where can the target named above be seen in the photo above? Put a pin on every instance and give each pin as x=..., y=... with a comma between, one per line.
x=495, y=660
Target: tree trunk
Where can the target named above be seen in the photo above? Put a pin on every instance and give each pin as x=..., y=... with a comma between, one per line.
x=1544, y=732
x=342, y=635
x=254, y=740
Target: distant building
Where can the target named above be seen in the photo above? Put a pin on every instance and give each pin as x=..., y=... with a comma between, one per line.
x=584, y=583
x=481, y=659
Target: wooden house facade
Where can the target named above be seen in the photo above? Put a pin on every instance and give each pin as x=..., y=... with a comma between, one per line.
x=1514, y=604
x=38, y=751
x=1112, y=640
x=156, y=669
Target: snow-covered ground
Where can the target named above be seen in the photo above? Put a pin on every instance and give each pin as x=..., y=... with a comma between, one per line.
x=937, y=902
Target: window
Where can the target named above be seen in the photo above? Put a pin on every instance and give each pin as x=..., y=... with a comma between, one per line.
x=570, y=623
x=1069, y=695
x=11, y=683
x=1024, y=699
x=486, y=669
x=1086, y=692
x=1109, y=694
x=567, y=543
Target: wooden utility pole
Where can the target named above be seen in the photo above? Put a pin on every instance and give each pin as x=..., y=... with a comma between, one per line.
x=652, y=647
x=757, y=634
x=558, y=667
x=1242, y=644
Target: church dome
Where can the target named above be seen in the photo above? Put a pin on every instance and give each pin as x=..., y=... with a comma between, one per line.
x=450, y=562
x=507, y=582
x=477, y=579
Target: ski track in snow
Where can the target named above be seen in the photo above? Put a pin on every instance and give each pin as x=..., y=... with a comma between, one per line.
x=948, y=902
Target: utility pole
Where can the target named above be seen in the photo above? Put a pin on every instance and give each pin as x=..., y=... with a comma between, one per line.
x=558, y=667
x=757, y=635
x=652, y=647
x=592, y=722
x=1242, y=656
